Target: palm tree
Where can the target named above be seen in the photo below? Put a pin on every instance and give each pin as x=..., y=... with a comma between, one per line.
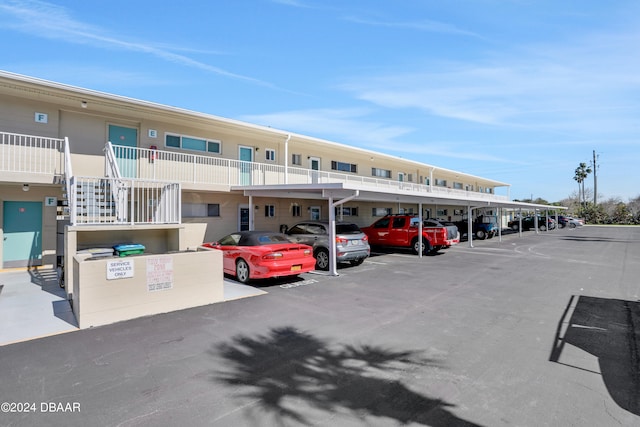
x=582, y=171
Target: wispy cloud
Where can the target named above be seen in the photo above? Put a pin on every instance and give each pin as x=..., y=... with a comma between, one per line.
x=52, y=21
x=585, y=85
x=342, y=124
x=422, y=25
x=294, y=3
x=358, y=128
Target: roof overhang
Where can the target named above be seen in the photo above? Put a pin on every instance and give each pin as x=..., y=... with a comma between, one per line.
x=340, y=190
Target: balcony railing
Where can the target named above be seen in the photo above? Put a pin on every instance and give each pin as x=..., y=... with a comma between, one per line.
x=169, y=166
x=101, y=201
x=31, y=154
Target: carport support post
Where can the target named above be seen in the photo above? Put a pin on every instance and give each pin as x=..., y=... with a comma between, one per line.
x=469, y=227
x=333, y=264
x=499, y=224
x=535, y=221
x=519, y=222
x=420, y=228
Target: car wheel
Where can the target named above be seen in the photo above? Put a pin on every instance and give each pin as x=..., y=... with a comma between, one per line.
x=572, y=225
x=543, y=228
x=357, y=261
x=242, y=271
x=417, y=246
x=514, y=227
x=481, y=235
x=322, y=259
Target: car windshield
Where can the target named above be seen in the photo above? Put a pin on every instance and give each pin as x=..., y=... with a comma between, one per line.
x=267, y=239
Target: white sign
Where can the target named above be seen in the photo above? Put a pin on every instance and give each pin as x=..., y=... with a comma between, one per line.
x=159, y=273
x=51, y=201
x=41, y=118
x=120, y=269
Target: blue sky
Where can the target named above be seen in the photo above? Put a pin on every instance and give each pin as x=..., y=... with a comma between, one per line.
x=520, y=91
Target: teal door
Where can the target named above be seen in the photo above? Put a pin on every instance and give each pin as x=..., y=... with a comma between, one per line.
x=124, y=141
x=22, y=225
x=246, y=156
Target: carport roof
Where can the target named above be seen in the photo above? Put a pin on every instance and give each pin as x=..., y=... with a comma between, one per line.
x=341, y=190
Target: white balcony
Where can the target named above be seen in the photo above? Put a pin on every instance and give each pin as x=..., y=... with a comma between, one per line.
x=30, y=158
x=203, y=170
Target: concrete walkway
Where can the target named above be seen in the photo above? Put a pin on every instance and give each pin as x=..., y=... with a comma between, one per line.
x=32, y=305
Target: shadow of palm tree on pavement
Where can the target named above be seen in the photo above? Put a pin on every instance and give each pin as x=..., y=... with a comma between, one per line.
x=287, y=367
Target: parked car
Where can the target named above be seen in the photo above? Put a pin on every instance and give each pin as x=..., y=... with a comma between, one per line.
x=453, y=232
x=567, y=221
x=352, y=245
x=481, y=230
x=262, y=254
x=529, y=223
x=402, y=231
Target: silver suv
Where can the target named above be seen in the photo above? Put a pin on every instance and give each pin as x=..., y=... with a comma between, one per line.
x=352, y=245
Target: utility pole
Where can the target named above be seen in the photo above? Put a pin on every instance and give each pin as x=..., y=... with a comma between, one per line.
x=595, y=180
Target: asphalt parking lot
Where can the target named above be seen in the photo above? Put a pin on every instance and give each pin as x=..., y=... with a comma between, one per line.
x=539, y=330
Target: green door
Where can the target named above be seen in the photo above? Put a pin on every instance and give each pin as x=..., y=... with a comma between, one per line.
x=246, y=156
x=124, y=141
x=22, y=225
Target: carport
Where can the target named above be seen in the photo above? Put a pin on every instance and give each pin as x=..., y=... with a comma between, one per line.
x=338, y=193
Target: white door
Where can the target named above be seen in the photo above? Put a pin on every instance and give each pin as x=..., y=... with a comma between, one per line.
x=315, y=213
x=314, y=165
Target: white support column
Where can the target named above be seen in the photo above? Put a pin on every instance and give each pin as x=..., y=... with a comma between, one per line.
x=520, y=222
x=535, y=221
x=499, y=224
x=469, y=227
x=420, y=226
x=333, y=264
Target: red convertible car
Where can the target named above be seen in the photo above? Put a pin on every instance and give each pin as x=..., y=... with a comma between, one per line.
x=262, y=254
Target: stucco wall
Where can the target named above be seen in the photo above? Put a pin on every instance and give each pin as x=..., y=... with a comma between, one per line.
x=153, y=284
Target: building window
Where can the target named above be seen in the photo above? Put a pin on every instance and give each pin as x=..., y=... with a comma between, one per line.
x=344, y=167
x=381, y=211
x=347, y=211
x=296, y=159
x=410, y=177
x=382, y=173
x=213, y=209
x=401, y=176
x=442, y=212
x=427, y=181
x=469, y=187
x=192, y=143
x=295, y=210
x=457, y=185
x=200, y=210
x=269, y=211
x=270, y=155
x=441, y=182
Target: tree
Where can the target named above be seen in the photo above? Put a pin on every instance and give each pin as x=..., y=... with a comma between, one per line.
x=581, y=173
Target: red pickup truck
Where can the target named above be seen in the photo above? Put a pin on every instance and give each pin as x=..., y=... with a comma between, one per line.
x=402, y=231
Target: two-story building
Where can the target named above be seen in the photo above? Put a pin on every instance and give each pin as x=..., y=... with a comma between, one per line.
x=97, y=160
